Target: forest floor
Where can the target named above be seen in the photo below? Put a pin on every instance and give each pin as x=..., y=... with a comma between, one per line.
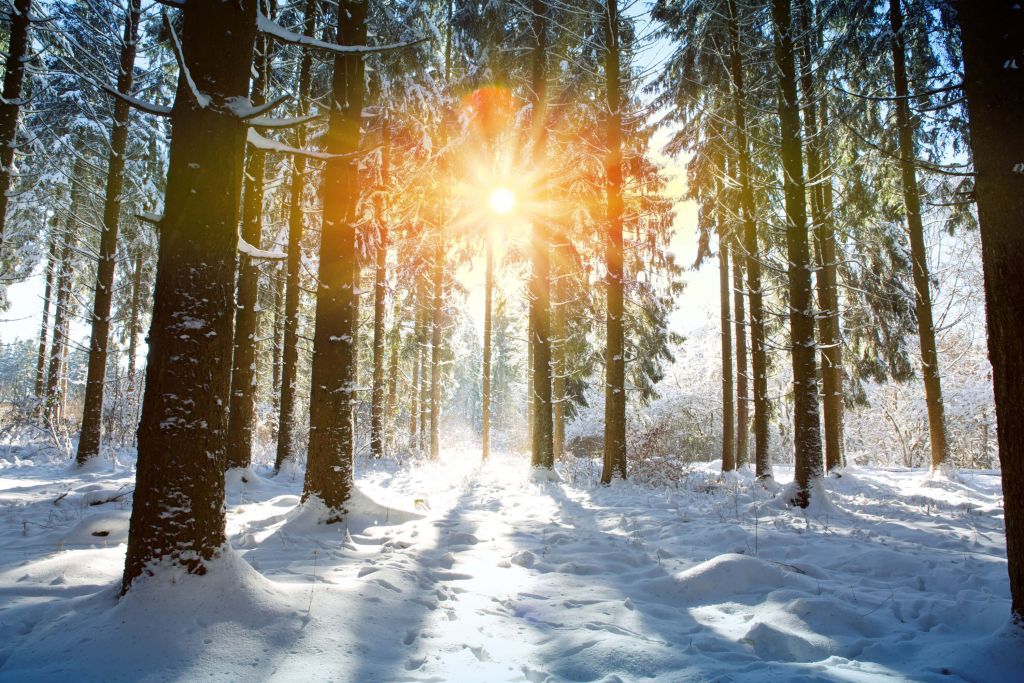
x=503, y=578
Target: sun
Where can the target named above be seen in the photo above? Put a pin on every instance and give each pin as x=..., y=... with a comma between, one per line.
x=502, y=201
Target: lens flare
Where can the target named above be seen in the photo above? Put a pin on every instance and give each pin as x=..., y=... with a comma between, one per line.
x=502, y=201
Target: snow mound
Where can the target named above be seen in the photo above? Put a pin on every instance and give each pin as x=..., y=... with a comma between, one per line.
x=722, y=578
x=162, y=628
x=104, y=528
x=361, y=512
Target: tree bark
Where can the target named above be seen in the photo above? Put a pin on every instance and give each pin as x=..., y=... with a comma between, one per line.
x=51, y=268
x=825, y=256
x=332, y=400
x=742, y=395
x=540, y=272
x=562, y=251
x=92, y=412
x=178, y=514
x=806, y=418
x=10, y=105
x=758, y=356
x=436, y=315
x=379, y=303
x=134, y=322
x=728, y=415
x=993, y=52
x=485, y=411
x=244, y=384
x=918, y=252
x=65, y=278
x=293, y=286
x=414, y=389
x=615, y=352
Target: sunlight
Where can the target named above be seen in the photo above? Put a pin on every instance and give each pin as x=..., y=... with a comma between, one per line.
x=502, y=201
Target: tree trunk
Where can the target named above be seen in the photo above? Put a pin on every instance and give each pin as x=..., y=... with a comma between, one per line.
x=728, y=446
x=993, y=50
x=134, y=322
x=379, y=302
x=485, y=411
x=414, y=389
x=244, y=384
x=51, y=268
x=424, y=349
x=10, y=104
x=540, y=272
x=394, y=354
x=825, y=254
x=278, y=283
x=331, y=419
x=178, y=514
x=436, y=313
x=806, y=419
x=918, y=252
x=758, y=356
x=64, y=285
x=293, y=285
x=562, y=250
x=740, y=317
x=615, y=352
x=92, y=411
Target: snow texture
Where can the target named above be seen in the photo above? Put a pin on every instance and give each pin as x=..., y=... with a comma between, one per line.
x=502, y=577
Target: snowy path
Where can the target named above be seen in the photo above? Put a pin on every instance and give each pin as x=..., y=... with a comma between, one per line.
x=504, y=579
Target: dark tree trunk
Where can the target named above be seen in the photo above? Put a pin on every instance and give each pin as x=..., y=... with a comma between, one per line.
x=540, y=271
x=728, y=416
x=278, y=283
x=615, y=352
x=993, y=44
x=918, y=252
x=293, y=286
x=424, y=348
x=244, y=385
x=394, y=355
x=51, y=269
x=332, y=400
x=10, y=105
x=92, y=411
x=485, y=411
x=740, y=317
x=380, y=293
x=134, y=323
x=806, y=419
x=758, y=356
x=178, y=514
x=436, y=318
x=562, y=251
x=825, y=255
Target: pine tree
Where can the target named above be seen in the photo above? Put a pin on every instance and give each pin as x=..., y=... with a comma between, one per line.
x=178, y=510
x=993, y=44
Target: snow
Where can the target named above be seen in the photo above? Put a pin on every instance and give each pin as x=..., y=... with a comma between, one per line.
x=462, y=571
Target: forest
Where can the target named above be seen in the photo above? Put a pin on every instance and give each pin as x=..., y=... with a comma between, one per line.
x=511, y=340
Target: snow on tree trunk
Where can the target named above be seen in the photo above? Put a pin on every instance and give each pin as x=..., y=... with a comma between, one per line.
x=178, y=511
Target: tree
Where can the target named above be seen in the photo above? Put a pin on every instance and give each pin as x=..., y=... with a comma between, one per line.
x=10, y=106
x=178, y=510
x=615, y=350
x=242, y=406
x=293, y=285
x=993, y=48
x=540, y=261
x=807, y=431
x=92, y=412
x=915, y=228
x=331, y=421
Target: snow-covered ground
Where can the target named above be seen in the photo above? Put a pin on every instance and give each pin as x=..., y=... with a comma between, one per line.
x=501, y=578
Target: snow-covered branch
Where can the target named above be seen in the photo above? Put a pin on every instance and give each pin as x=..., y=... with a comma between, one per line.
x=278, y=32
x=257, y=253
x=141, y=105
x=267, y=145
x=200, y=98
